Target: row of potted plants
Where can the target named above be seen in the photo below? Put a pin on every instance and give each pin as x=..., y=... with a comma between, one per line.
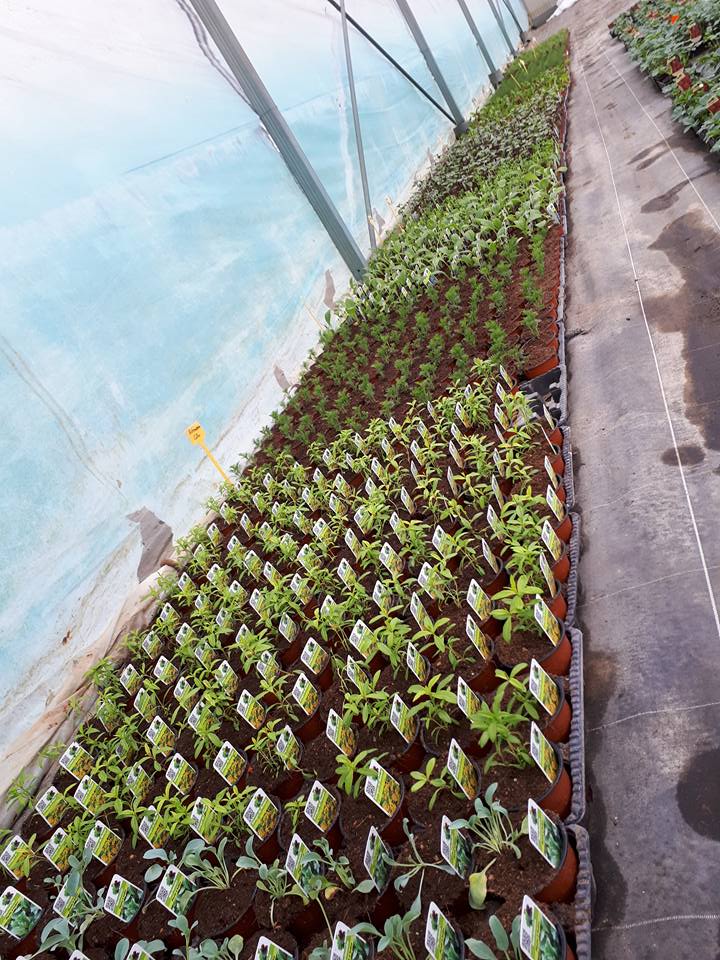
x=342, y=734
x=678, y=45
x=263, y=712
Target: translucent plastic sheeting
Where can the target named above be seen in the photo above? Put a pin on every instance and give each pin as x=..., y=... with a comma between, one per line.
x=160, y=265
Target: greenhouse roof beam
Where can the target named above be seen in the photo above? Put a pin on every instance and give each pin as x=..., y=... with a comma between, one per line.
x=495, y=74
x=461, y=124
x=398, y=66
x=282, y=136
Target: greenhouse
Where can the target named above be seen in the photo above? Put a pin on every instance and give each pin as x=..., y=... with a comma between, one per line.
x=361, y=372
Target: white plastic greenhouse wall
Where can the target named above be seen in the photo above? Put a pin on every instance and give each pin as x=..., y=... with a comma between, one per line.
x=160, y=266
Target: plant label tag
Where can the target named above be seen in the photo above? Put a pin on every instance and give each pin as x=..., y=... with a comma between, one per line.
x=462, y=770
x=382, y=596
x=383, y=789
x=144, y=703
x=497, y=491
x=69, y=905
x=346, y=573
x=151, y=645
x=181, y=774
x=456, y=455
x=549, y=418
x=302, y=866
x=301, y=588
x=363, y=519
x=356, y=674
x=336, y=505
x=539, y=938
x=342, y=486
x=407, y=501
x=402, y=718
x=418, y=452
x=184, y=634
x=351, y=540
x=347, y=945
x=387, y=448
x=490, y=558
x=302, y=522
x=205, y=654
x=318, y=478
x=370, y=486
x=288, y=748
x=379, y=470
x=131, y=680
x=123, y=899
x=553, y=477
x=61, y=846
x=395, y=427
x=547, y=622
x=423, y=431
x=321, y=807
x=90, y=795
x=363, y=639
x=201, y=601
x=251, y=710
x=417, y=663
x=167, y=613
x=306, y=557
x=506, y=377
x=500, y=391
x=467, y=700
x=230, y=764
x=102, y=843
x=544, y=688
x=261, y=814
x=288, y=628
x=548, y=574
x=314, y=657
x=185, y=694
x=201, y=717
x=452, y=482
x=185, y=584
x=247, y=524
x=441, y=940
x=397, y=527
x=212, y=573
x=494, y=522
x=415, y=473
x=498, y=462
x=77, y=761
x=551, y=541
x=555, y=503
x=501, y=417
x=267, y=950
x=478, y=601
x=430, y=582
x=544, y=835
x=52, y=806
x=543, y=753
x=377, y=860
x=420, y=614
x=322, y=531
x=462, y=415
x=19, y=915
x=253, y=564
x=305, y=695
x=139, y=782
x=17, y=856
x=391, y=560
x=175, y=892
x=443, y=542
x=341, y=735
x=161, y=736
x=227, y=678
x=455, y=848
x=257, y=602
x=165, y=671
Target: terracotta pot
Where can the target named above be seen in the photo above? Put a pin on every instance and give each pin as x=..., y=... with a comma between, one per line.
x=557, y=660
x=557, y=728
x=558, y=795
x=486, y=679
x=558, y=605
x=561, y=888
x=556, y=438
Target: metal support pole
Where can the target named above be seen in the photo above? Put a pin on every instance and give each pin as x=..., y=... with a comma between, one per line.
x=370, y=39
x=501, y=24
x=292, y=153
x=495, y=74
x=523, y=33
x=414, y=27
x=358, y=132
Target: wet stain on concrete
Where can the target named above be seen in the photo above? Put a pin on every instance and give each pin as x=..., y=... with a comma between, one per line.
x=698, y=794
x=690, y=454
x=610, y=106
x=691, y=248
x=664, y=200
x=650, y=160
x=611, y=885
x=644, y=154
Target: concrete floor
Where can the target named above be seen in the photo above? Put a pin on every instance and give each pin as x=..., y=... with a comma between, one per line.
x=644, y=359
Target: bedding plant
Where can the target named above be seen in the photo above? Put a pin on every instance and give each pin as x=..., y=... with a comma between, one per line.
x=332, y=738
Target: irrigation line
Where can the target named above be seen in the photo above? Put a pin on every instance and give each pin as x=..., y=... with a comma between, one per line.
x=667, y=144
x=652, y=713
x=648, y=923
x=691, y=511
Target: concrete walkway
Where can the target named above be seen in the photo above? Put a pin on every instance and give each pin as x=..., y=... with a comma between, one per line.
x=644, y=358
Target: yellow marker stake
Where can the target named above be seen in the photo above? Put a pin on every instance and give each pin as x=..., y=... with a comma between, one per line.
x=196, y=435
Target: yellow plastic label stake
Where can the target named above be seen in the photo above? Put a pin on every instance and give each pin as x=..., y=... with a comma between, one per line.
x=196, y=435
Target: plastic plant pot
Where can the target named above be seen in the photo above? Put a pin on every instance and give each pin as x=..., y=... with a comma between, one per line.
x=392, y=832
x=494, y=582
x=486, y=679
x=282, y=937
x=245, y=925
x=324, y=679
x=557, y=660
x=413, y=756
x=561, y=567
x=269, y=850
x=310, y=728
x=386, y=905
x=564, y=529
x=558, y=605
x=292, y=651
x=307, y=922
x=30, y=943
x=561, y=888
x=558, y=795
